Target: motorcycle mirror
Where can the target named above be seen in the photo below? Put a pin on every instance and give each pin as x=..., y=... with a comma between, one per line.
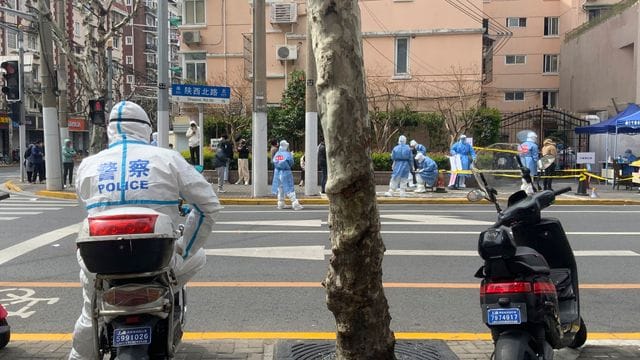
x=476, y=195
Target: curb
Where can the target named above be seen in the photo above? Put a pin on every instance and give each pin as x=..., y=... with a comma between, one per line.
x=57, y=194
x=11, y=186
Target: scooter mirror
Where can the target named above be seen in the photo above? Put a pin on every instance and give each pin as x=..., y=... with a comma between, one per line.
x=476, y=195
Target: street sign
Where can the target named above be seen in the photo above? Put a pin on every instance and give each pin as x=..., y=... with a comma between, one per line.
x=201, y=93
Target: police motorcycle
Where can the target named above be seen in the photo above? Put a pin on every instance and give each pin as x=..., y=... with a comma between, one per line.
x=529, y=292
x=5, y=329
x=137, y=311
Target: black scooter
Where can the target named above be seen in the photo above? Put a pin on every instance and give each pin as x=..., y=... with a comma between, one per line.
x=529, y=291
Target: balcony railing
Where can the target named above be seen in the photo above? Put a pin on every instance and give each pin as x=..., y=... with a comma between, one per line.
x=152, y=47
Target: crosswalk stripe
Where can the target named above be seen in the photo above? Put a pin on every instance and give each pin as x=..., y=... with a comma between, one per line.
x=7, y=218
x=20, y=212
x=33, y=204
x=30, y=208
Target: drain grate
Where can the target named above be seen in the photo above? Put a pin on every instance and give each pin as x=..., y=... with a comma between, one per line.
x=326, y=350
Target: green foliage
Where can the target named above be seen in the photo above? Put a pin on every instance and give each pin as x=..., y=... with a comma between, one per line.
x=437, y=132
x=288, y=121
x=486, y=127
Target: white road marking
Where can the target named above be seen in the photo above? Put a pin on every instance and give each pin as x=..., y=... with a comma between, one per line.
x=430, y=220
x=29, y=208
x=26, y=246
x=411, y=232
x=318, y=252
x=7, y=218
x=32, y=205
x=20, y=212
x=302, y=223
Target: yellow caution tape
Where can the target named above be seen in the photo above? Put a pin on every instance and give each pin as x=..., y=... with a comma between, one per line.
x=496, y=150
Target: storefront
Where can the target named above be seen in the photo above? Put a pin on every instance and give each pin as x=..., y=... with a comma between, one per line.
x=79, y=134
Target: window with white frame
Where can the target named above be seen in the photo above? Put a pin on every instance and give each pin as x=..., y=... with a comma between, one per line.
x=12, y=39
x=32, y=42
x=128, y=2
x=116, y=42
x=514, y=96
x=402, y=56
x=551, y=26
x=516, y=22
x=131, y=79
x=76, y=28
x=196, y=67
x=549, y=99
x=550, y=64
x=193, y=12
x=128, y=60
x=515, y=59
x=128, y=40
x=151, y=58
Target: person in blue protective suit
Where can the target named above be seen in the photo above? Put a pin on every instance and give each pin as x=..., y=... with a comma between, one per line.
x=529, y=153
x=426, y=171
x=402, y=161
x=467, y=154
x=283, y=177
x=627, y=159
x=132, y=172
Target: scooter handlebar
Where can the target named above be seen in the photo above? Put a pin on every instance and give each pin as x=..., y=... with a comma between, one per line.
x=562, y=191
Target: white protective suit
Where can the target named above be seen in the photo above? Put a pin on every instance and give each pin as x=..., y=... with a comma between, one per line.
x=131, y=172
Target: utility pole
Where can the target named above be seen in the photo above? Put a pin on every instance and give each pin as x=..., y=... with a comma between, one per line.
x=49, y=111
x=163, y=74
x=259, y=121
x=109, y=99
x=22, y=131
x=311, y=123
x=62, y=74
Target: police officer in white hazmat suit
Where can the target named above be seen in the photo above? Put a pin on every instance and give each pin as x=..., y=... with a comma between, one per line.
x=132, y=172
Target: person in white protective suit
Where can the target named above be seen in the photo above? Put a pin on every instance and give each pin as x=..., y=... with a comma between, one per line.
x=283, y=177
x=132, y=172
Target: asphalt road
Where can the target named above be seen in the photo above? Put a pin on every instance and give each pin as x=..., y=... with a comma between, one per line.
x=280, y=291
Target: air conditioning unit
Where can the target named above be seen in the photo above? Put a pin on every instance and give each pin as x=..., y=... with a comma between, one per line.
x=191, y=37
x=286, y=52
x=284, y=13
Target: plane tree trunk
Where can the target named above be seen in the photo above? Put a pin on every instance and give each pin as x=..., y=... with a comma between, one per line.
x=353, y=284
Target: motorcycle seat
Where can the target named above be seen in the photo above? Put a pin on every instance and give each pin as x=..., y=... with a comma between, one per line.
x=528, y=261
x=561, y=278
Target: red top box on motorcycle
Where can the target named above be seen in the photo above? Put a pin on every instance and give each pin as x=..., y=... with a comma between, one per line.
x=126, y=240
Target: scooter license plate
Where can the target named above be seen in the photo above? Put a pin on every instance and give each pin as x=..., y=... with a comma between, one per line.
x=131, y=336
x=510, y=316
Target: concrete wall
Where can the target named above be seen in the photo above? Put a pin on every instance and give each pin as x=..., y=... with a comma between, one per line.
x=601, y=64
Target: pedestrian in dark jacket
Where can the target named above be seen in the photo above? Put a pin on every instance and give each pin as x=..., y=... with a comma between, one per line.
x=322, y=165
x=37, y=159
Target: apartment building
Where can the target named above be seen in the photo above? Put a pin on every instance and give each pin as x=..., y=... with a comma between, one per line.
x=526, y=67
x=414, y=51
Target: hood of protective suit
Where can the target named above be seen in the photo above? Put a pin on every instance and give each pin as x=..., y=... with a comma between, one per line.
x=413, y=143
x=154, y=136
x=67, y=141
x=284, y=145
x=129, y=121
x=402, y=140
x=419, y=157
x=532, y=137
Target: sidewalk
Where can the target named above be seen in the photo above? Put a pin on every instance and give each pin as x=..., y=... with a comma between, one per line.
x=241, y=194
x=266, y=350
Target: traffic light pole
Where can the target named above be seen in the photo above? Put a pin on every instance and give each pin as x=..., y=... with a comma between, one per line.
x=53, y=153
x=163, y=74
x=22, y=130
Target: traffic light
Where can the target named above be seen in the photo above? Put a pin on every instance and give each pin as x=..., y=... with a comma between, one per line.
x=11, y=88
x=96, y=111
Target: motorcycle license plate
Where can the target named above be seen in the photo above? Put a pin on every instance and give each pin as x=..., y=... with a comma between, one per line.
x=510, y=316
x=132, y=336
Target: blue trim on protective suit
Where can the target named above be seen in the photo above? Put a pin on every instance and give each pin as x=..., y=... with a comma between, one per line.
x=123, y=165
x=139, y=142
x=132, y=202
x=195, y=233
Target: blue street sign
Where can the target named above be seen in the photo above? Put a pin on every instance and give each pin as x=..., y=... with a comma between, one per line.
x=201, y=93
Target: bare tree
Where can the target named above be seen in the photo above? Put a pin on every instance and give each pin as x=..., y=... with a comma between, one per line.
x=353, y=284
x=234, y=115
x=455, y=99
x=382, y=99
x=91, y=65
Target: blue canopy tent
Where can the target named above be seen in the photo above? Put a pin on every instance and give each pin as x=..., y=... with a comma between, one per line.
x=614, y=125
x=608, y=126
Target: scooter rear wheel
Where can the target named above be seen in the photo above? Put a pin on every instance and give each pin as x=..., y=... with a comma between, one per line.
x=4, y=338
x=514, y=346
x=581, y=336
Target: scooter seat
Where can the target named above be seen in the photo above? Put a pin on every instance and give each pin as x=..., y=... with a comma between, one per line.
x=528, y=261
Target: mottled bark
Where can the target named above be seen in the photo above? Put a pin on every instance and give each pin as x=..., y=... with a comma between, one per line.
x=354, y=281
